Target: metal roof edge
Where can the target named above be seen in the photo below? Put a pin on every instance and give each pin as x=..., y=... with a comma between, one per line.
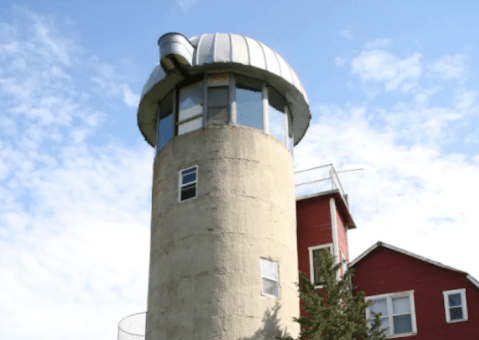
x=402, y=251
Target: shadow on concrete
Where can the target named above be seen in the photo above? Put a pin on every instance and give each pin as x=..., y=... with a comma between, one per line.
x=271, y=326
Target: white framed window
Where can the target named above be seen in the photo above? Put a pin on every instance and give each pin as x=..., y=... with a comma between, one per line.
x=188, y=181
x=190, y=108
x=397, y=310
x=315, y=279
x=269, y=278
x=455, y=305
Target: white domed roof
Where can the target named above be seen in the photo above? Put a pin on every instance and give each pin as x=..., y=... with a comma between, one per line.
x=232, y=52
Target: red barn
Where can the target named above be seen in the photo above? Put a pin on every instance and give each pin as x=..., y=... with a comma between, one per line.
x=417, y=297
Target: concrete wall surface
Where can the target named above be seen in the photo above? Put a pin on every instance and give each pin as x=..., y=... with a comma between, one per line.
x=205, y=252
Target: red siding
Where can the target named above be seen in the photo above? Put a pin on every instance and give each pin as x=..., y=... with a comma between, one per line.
x=313, y=217
x=342, y=239
x=386, y=271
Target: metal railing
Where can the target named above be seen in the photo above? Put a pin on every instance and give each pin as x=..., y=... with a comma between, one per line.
x=132, y=327
x=316, y=180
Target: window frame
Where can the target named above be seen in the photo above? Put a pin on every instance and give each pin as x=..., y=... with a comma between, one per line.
x=389, y=297
x=179, y=123
x=311, y=261
x=269, y=278
x=230, y=80
x=446, y=294
x=181, y=185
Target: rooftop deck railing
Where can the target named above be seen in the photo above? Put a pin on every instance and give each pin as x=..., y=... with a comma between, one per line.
x=316, y=180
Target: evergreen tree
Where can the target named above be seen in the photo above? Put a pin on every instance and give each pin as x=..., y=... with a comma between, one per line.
x=332, y=312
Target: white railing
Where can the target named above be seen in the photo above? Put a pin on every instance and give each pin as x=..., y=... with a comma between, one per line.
x=316, y=180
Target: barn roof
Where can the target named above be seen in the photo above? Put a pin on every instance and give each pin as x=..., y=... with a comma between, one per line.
x=407, y=253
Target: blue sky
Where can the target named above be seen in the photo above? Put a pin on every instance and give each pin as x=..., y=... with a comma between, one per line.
x=392, y=87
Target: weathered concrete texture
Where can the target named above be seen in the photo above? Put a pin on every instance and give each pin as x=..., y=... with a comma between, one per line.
x=205, y=252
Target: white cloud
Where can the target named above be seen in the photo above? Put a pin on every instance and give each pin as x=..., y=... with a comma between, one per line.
x=377, y=44
x=449, y=67
x=68, y=209
x=408, y=194
x=185, y=5
x=347, y=33
x=379, y=66
x=113, y=84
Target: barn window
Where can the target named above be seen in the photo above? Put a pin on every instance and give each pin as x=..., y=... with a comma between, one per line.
x=269, y=278
x=313, y=261
x=455, y=305
x=398, y=315
x=188, y=181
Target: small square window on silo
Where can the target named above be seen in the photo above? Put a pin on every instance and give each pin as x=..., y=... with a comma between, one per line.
x=188, y=181
x=269, y=278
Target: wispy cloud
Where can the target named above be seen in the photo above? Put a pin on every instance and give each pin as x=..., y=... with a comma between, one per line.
x=346, y=33
x=382, y=67
x=406, y=186
x=449, y=67
x=185, y=5
x=67, y=207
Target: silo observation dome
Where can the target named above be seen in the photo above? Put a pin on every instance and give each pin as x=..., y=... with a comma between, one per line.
x=221, y=79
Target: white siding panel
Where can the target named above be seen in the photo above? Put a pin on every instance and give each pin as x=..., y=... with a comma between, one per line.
x=205, y=49
x=222, y=48
x=240, y=49
x=271, y=60
x=256, y=54
x=285, y=69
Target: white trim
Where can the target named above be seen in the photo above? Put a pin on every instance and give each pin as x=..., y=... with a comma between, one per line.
x=402, y=251
x=446, y=294
x=180, y=185
x=232, y=120
x=265, y=102
x=311, y=261
x=389, y=297
x=473, y=280
x=334, y=231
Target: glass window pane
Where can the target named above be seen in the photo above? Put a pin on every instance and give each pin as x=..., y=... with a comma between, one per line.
x=270, y=287
x=191, y=100
x=165, y=131
x=380, y=306
x=276, y=124
x=190, y=177
x=217, y=116
x=454, y=300
x=276, y=100
x=456, y=313
x=290, y=133
x=190, y=126
x=217, y=96
x=166, y=105
x=317, y=278
x=188, y=191
x=249, y=107
x=401, y=305
x=385, y=323
x=269, y=269
x=402, y=324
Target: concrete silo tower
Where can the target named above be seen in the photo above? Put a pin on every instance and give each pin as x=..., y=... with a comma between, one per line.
x=223, y=112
